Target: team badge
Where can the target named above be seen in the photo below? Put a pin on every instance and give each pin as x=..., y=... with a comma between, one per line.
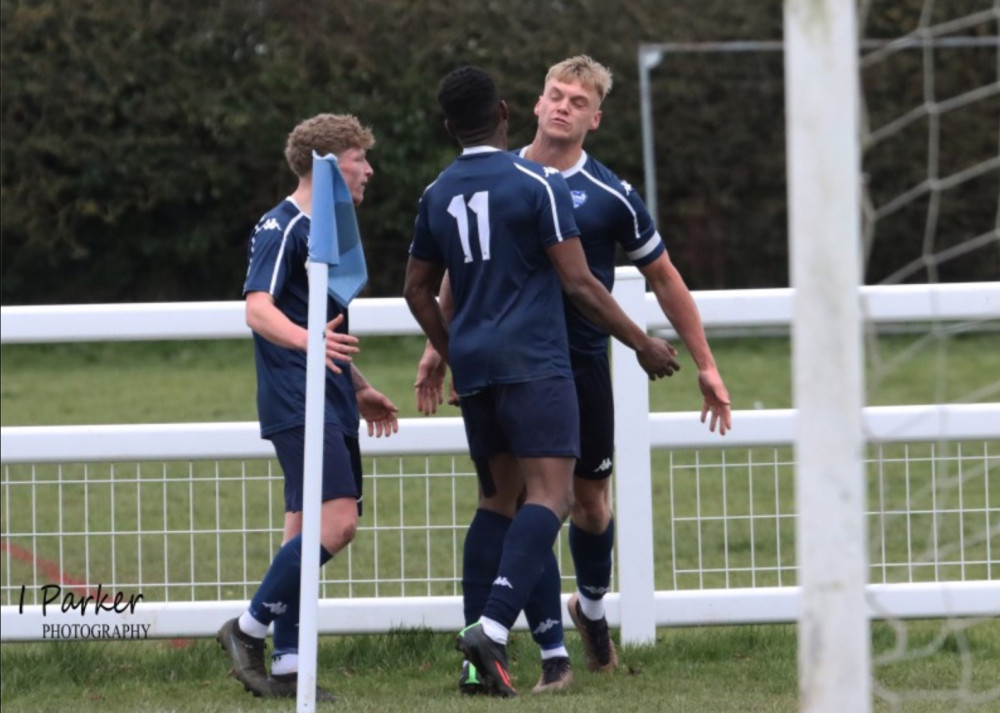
x=579, y=198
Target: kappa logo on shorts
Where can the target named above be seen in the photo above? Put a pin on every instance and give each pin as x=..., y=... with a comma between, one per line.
x=605, y=465
x=502, y=582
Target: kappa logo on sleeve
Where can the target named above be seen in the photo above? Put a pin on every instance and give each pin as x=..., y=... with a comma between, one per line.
x=269, y=224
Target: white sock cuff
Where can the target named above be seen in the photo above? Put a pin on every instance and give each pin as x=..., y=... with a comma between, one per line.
x=284, y=664
x=559, y=652
x=252, y=627
x=593, y=609
x=495, y=630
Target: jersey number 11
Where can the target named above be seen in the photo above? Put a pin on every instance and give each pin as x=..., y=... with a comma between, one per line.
x=480, y=205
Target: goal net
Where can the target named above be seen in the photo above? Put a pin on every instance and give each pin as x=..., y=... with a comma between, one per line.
x=930, y=141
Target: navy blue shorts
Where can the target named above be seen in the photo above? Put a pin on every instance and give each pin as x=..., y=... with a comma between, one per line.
x=597, y=416
x=534, y=419
x=341, y=465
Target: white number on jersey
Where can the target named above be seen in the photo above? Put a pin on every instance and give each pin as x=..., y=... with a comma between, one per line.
x=480, y=205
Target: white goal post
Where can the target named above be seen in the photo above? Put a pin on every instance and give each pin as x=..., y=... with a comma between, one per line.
x=824, y=206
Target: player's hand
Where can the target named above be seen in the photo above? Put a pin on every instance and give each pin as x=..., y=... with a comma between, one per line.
x=378, y=411
x=429, y=385
x=339, y=346
x=716, y=401
x=656, y=358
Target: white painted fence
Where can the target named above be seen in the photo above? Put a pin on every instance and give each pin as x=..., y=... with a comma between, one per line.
x=727, y=586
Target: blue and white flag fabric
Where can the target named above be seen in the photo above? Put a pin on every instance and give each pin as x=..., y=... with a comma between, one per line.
x=334, y=237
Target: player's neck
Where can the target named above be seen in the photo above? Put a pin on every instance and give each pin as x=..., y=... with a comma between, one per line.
x=303, y=194
x=557, y=154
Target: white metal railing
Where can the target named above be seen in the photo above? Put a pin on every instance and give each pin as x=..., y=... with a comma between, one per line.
x=637, y=607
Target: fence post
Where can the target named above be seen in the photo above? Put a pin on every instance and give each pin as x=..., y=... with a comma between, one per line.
x=633, y=485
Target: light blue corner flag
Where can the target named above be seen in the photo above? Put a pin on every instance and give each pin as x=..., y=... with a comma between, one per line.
x=334, y=237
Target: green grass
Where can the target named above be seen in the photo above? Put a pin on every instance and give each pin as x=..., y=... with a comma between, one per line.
x=715, y=670
x=165, y=382
x=704, y=669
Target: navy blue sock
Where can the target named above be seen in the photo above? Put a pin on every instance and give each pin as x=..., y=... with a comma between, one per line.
x=481, y=559
x=525, y=549
x=278, y=593
x=592, y=559
x=543, y=610
x=286, y=626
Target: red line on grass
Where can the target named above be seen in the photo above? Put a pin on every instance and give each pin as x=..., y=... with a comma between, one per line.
x=54, y=574
x=47, y=567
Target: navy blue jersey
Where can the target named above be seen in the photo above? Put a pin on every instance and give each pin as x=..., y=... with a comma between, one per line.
x=608, y=212
x=488, y=218
x=278, y=253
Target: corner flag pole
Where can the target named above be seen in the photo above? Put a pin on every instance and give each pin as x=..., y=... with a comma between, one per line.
x=321, y=229
x=336, y=268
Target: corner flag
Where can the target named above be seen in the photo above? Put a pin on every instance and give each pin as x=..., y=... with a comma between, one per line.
x=335, y=238
x=336, y=267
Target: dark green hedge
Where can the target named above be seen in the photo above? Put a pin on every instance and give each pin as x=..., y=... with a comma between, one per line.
x=142, y=139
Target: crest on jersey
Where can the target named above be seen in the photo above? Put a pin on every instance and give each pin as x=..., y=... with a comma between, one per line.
x=579, y=198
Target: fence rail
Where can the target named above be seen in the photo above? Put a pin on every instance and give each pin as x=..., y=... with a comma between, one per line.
x=72, y=493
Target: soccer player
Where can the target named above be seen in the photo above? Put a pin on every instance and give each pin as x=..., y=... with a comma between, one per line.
x=503, y=228
x=608, y=213
x=277, y=295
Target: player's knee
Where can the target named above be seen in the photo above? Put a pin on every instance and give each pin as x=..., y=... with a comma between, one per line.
x=591, y=513
x=339, y=535
x=563, y=507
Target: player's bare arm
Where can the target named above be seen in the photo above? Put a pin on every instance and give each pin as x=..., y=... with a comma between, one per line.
x=431, y=370
x=679, y=307
x=419, y=292
x=655, y=355
x=264, y=318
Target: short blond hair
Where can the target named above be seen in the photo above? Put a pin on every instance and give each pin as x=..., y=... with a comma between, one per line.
x=325, y=134
x=590, y=73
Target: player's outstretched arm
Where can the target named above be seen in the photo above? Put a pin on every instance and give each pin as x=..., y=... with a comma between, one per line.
x=264, y=318
x=655, y=355
x=418, y=290
x=431, y=370
x=429, y=385
x=679, y=307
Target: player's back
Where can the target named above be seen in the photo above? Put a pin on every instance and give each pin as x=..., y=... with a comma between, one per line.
x=489, y=217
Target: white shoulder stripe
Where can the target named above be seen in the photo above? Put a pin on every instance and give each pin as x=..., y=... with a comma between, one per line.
x=281, y=251
x=617, y=194
x=646, y=248
x=552, y=199
x=654, y=240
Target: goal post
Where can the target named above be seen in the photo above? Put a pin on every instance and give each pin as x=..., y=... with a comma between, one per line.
x=824, y=205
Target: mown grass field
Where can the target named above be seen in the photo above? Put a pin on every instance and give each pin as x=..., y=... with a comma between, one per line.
x=706, y=669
